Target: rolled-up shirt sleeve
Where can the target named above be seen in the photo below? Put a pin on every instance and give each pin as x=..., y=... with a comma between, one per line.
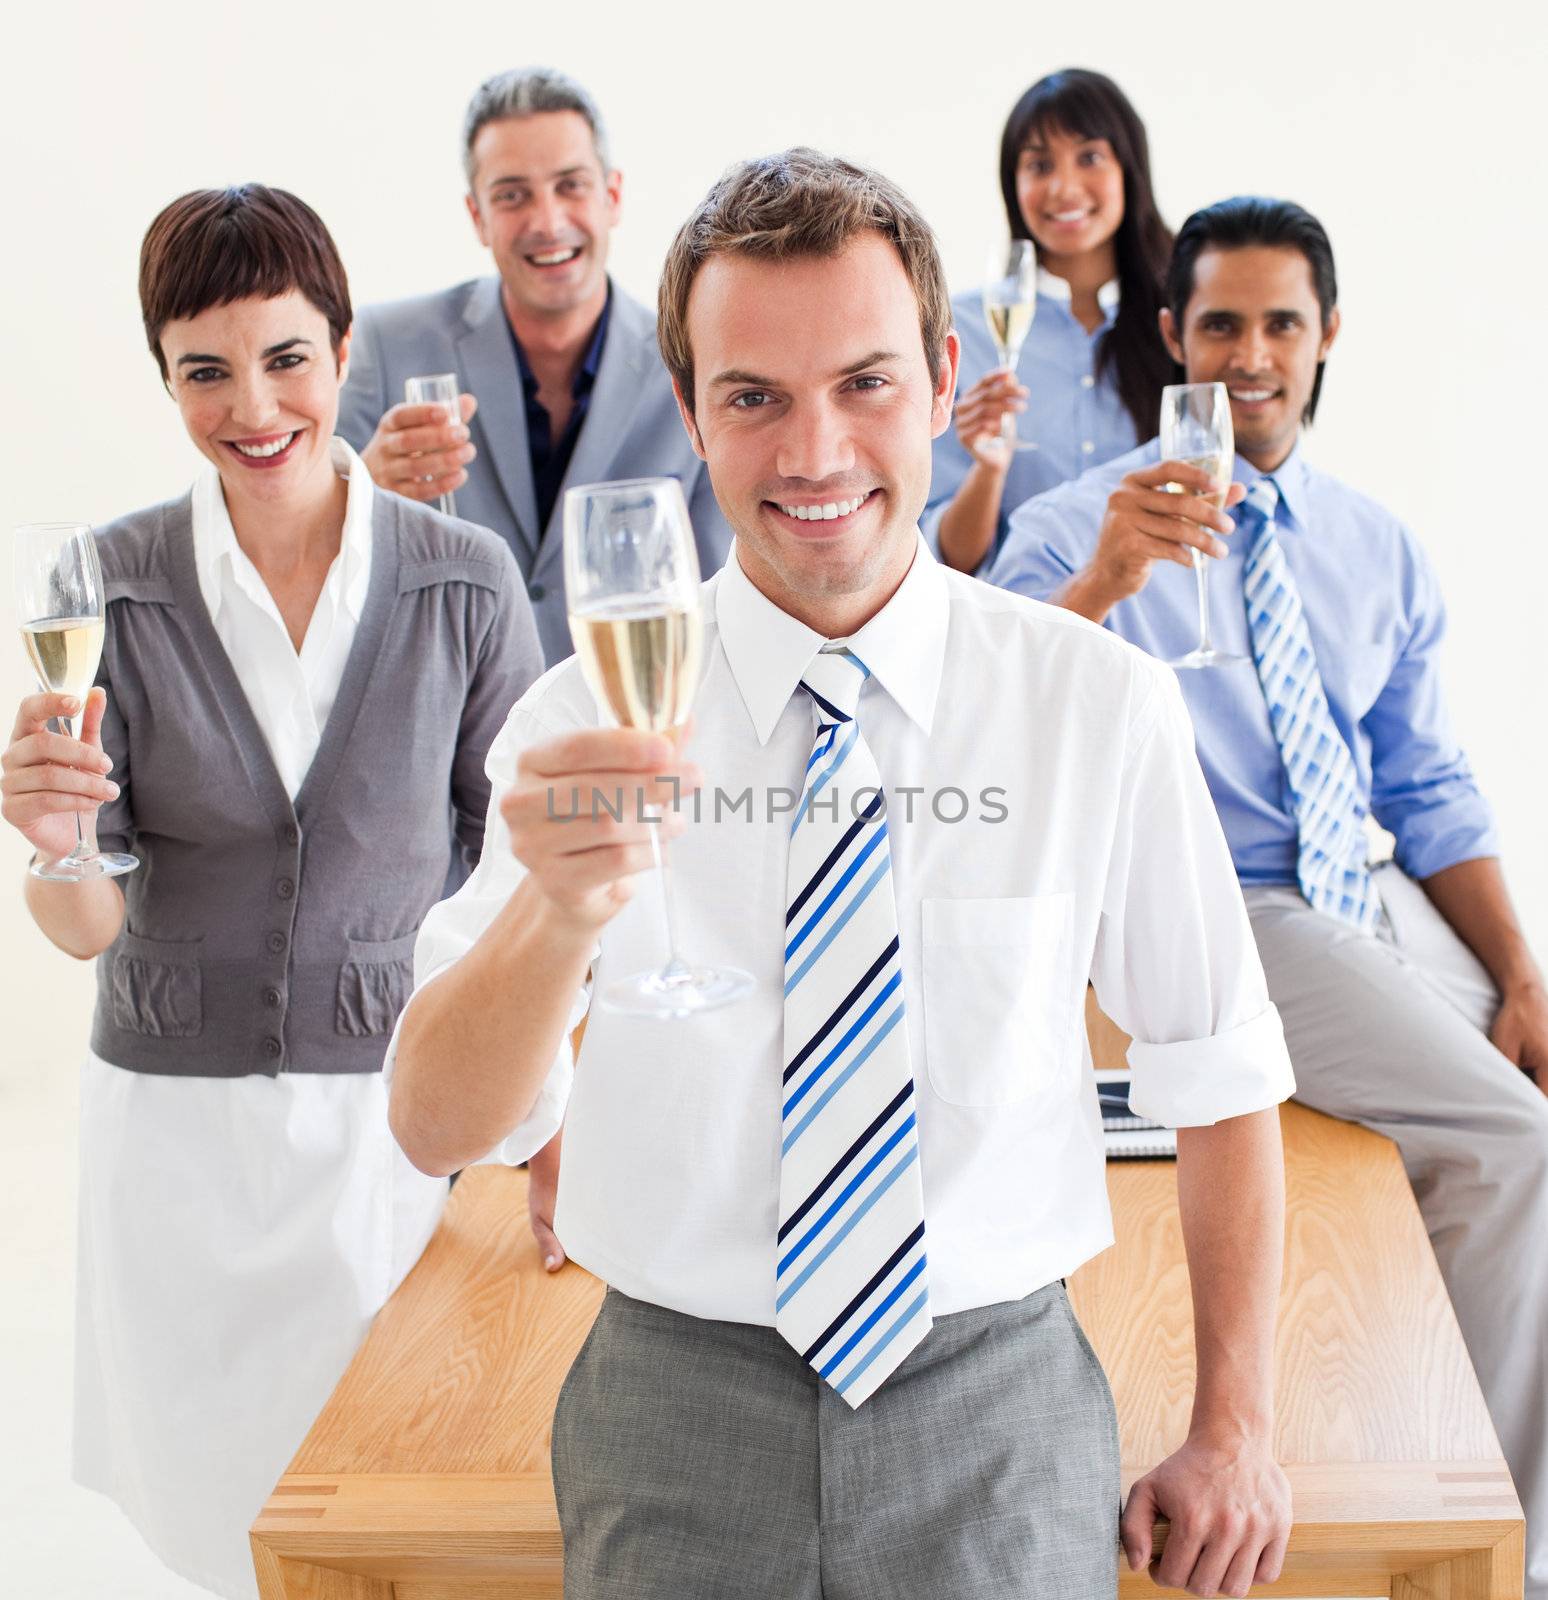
x=454, y=926
x=1422, y=788
x=1175, y=964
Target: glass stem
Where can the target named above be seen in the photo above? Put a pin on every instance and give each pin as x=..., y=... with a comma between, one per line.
x=1008, y=421
x=658, y=849
x=72, y=727
x=1200, y=563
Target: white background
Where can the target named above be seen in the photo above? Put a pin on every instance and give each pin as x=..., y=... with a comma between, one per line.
x=1414, y=133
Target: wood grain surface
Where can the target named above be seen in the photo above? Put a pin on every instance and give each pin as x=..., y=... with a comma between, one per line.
x=426, y=1476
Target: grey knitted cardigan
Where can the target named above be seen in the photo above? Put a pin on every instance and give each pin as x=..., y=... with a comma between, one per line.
x=263, y=936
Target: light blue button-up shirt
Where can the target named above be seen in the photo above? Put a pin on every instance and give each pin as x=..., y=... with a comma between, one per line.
x=1374, y=610
x=1075, y=418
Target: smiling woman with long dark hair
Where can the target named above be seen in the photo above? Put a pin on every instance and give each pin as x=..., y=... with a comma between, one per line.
x=301, y=678
x=1075, y=176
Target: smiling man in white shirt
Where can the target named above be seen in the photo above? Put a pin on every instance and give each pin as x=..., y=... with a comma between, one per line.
x=836, y=1358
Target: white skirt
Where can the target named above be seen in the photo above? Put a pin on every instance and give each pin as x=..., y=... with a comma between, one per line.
x=237, y=1235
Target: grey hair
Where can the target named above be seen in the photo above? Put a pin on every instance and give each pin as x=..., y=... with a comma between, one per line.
x=522, y=92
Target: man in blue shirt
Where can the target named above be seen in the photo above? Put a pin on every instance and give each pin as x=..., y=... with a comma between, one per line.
x=1410, y=1000
x=562, y=379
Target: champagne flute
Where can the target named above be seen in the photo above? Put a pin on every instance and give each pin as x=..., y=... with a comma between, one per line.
x=1196, y=430
x=631, y=576
x=59, y=598
x=438, y=390
x=1010, y=303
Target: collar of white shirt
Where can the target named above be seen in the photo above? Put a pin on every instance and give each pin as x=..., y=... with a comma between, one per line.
x=1057, y=289
x=767, y=649
x=215, y=541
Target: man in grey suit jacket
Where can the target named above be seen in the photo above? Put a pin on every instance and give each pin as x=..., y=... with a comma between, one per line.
x=561, y=376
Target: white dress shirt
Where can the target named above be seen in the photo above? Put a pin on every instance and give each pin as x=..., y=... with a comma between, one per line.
x=237, y=1235
x=1108, y=863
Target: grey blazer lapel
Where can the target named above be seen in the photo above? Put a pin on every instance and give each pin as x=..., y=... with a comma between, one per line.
x=626, y=361
x=488, y=367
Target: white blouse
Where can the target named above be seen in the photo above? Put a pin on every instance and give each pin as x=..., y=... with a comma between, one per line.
x=237, y=1235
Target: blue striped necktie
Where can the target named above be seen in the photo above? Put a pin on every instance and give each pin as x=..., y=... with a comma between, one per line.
x=1329, y=806
x=851, y=1293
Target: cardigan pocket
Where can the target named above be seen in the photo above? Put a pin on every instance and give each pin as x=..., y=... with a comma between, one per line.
x=374, y=985
x=156, y=987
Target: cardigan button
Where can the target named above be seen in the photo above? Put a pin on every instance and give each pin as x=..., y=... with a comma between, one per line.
x=292, y=833
x=537, y=591
x=277, y=942
x=285, y=888
x=271, y=997
x=272, y=1047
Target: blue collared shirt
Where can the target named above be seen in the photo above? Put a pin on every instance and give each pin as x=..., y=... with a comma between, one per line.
x=551, y=458
x=1075, y=418
x=1376, y=618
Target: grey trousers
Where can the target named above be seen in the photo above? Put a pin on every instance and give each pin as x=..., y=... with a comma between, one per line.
x=1392, y=1032
x=705, y=1461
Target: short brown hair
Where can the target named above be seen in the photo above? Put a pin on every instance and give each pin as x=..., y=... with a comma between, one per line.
x=781, y=208
x=213, y=246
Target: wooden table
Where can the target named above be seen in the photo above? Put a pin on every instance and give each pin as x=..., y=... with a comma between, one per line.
x=426, y=1477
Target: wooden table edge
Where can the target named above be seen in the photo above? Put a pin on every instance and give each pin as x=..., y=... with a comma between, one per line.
x=406, y=1525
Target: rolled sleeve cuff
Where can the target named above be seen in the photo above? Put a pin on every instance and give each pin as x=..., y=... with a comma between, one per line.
x=541, y=1123
x=930, y=527
x=1196, y=1083
x=1434, y=840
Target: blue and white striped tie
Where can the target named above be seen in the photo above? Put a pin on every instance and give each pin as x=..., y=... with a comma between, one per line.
x=850, y=1288
x=1329, y=807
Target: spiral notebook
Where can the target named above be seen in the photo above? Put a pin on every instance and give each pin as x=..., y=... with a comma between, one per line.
x=1127, y=1136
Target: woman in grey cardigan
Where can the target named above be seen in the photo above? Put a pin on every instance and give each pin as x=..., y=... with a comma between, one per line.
x=301, y=679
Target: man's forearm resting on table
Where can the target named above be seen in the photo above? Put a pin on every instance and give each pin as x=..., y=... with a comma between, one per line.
x=1472, y=897
x=1231, y=1193
x=477, y=1042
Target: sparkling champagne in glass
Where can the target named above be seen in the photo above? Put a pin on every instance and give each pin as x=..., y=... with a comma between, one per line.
x=59, y=598
x=440, y=389
x=632, y=588
x=1196, y=430
x=1010, y=302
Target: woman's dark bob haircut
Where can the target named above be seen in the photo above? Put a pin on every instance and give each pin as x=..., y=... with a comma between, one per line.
x=213, y=246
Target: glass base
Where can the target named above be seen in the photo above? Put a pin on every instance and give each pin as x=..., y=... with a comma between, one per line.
x=1207, y=658
x=81, y=868
x=677, y=991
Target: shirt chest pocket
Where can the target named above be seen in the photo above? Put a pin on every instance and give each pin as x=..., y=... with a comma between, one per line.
x=998, y=996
